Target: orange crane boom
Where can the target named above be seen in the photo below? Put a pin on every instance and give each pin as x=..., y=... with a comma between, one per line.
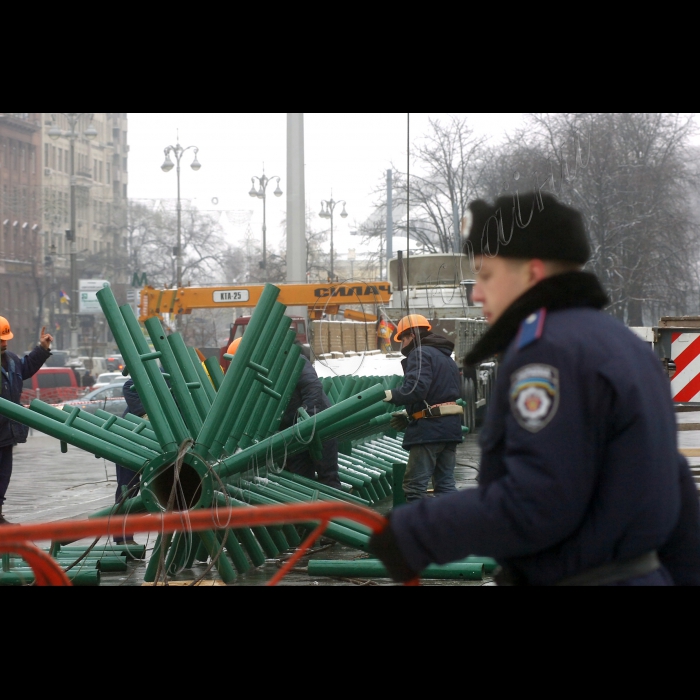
x=318, y=298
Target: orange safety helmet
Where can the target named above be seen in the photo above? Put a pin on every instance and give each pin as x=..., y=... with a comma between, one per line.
x=409, y=322
x=5, y=332
x=234, y=346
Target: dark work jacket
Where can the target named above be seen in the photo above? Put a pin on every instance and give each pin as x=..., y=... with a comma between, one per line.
x=11, y=432
x=585, y=476
x=134, y=404
x=308, y=394
x=431, y=377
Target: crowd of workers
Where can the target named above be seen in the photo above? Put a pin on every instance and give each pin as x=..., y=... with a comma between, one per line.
x=580, y=481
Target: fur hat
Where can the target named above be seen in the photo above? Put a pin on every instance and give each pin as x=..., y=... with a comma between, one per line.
x=526, y=226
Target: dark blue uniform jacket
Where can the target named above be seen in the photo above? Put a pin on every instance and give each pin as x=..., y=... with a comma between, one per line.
x=11, y=432
x=431, y=377
x=579, y=463
x=308, y=394
x=134, y=405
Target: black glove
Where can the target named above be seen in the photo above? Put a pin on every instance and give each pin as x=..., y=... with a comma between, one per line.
x=383, y=545
x=399, y=421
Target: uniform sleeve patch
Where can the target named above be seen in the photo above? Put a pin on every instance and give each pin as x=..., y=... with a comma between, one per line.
x=534, y=396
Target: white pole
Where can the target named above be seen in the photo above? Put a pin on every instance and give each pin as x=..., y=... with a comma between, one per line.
x=296, y=207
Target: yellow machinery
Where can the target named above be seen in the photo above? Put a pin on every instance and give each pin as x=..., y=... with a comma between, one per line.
x=318, y=298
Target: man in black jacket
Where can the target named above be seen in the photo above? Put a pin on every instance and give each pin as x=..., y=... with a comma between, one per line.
x=581, y=482
x=14, y=372
x=432, y=421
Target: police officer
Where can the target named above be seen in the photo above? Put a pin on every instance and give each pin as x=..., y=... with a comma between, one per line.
x=309, y=395
x=14, y=372
x=581, y=482
x=432, y=421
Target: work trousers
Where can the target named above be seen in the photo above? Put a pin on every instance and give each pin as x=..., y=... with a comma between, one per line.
x=5, y=471
x=126, y=478
x=325, y=470
x=436, y=460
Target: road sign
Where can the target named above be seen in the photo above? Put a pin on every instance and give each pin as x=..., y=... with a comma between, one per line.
x=88, y=295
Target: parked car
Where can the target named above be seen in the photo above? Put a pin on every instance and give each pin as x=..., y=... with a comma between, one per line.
x=59, y=358
x=109, y=398
x=115, y=363
x=108, y=378
x=51, y=385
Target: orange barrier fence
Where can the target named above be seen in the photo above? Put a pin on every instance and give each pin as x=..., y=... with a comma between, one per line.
x=18, y=539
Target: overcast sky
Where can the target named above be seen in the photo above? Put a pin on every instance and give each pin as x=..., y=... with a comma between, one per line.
x=347, y=154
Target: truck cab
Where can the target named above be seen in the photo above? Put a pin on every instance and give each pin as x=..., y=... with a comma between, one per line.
x=238, y=328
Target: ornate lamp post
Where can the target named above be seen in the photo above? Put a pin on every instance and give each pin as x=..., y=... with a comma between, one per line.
x=72, y=135
x=261, y=193
x=327, y=209
x=178, y=151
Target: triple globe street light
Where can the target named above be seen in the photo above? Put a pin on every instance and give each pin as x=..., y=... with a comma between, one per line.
x=55, y=133
x=327, y=210
x=260, y=192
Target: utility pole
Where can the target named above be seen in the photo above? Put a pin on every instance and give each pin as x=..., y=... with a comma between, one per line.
x=296, y=207
x=389, y=218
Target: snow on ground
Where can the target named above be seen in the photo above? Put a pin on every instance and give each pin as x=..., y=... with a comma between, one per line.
x=360, y=365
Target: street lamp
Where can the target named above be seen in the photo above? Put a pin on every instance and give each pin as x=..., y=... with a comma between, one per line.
x=327, y=209
x=261, y=193
x=178, y=151
x=72, y=135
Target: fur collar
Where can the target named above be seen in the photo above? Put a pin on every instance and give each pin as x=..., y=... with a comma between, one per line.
x=567, y=291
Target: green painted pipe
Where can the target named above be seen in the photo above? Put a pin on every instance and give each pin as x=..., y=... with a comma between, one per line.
x=178, y=383
x=131, y=506
x=262, y=534
x=162, y=541
x=244, y=534
x=174, y=555
x=223, y=565
x=134, y=428
x=220, y=419
x=122, y=550
x=70, y=435
x=118, y=430
x=25, y=577
x=311, y=485
x=371, y=568
x=89, y=428
x=292, y=439
x=276, y=362
x=215, y=372
x=188, y=367
x=194, y=550
x=334, y=531
x=234, y=550
x=286, y=383
x=252, y=384
x=162, y=400
x=201, y=554
x=131, y=356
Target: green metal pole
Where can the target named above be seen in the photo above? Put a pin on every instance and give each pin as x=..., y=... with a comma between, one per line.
x=110, y=425
x=223, y=412
x=200, y=395
x=371, y=568
x=215, y=372
x=286, y=383
x=178, y=383
x=132, y=357
x=70, y=435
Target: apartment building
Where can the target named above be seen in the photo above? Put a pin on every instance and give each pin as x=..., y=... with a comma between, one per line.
x=20, y=225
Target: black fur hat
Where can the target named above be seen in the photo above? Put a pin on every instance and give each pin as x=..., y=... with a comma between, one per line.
x=526, y=226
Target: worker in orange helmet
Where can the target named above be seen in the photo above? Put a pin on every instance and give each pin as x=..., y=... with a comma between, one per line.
x=14, y=372
x=308, y=394
x=432, y=423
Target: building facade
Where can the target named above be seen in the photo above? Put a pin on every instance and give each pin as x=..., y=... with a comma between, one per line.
x=21, y=255
x=101, y=172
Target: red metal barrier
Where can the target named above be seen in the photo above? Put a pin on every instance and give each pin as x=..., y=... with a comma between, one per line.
x=18, y=538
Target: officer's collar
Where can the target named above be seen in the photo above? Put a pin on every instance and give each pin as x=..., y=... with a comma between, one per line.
x=566, y=291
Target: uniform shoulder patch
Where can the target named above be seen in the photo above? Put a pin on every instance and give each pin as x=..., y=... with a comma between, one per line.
x=531, y=329
x=534, y=396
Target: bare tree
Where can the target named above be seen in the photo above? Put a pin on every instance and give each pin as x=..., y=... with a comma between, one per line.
x=631, y=176
x=448, y=165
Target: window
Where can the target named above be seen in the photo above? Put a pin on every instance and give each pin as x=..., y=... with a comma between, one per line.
x=109, y=173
